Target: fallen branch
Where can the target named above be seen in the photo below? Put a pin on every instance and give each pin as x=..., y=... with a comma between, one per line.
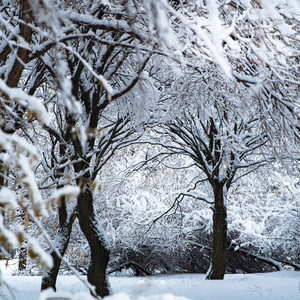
x=268, y=260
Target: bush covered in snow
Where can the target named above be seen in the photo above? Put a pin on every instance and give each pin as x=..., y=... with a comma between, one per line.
x=147, y=237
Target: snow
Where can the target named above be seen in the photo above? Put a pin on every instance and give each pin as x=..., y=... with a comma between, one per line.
x=28, y=179
x=277, y=285
x=7, y=198
x=67, y=190
x=31, y=103
x=161, y=21
x=6, y=236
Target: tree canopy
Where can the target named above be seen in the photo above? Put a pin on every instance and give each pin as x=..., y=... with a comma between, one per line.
x=216, y=82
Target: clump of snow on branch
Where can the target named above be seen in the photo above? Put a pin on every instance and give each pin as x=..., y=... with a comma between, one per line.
x=7, y=197
x=7, y=238
x=66, y=191
x=21, y=157
x=157, y=12
x=34, y=105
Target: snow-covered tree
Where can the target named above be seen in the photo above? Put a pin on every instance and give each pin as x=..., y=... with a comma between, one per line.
x=154, y=227
x=84, y=62
x=253, y=42
x=264, y=217
x=223, y=139
x=18, y=158
x=91, y=73
x=67, y=54
x=255, y=101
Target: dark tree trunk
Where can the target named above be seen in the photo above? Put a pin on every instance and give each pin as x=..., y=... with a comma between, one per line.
x=89, y=225
x=25, y=15
x=22, y=258
x=25, y=33
x=219, y=245
x=61, y=243
x=2, y=184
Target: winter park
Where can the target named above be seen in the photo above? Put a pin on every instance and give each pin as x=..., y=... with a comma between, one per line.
x=149, y=149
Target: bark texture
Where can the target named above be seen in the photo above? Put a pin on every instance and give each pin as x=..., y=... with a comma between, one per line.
x=22, y=258
x=219, y=244
x=89, y=225
x=22, y=53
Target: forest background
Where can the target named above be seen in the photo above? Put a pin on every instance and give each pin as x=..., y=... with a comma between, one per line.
x=149, y=136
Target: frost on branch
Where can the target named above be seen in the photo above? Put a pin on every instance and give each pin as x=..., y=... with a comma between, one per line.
x=19, y=158
x=157, y=12
x=32, y=104
x=7, y=238
x=65, y=191
x=35, y=251
x=13, y=157
x=7, y=198
x=264, y=215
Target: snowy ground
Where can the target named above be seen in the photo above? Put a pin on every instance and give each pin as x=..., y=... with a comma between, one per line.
x=277, y=285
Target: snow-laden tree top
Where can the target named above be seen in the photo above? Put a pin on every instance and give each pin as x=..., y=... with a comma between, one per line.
x=47, y=47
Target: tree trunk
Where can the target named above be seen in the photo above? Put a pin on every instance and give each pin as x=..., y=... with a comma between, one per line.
x=22, y=258
x=61, y=243
x=219, y=245
x=89, y=225
x=23, y=53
